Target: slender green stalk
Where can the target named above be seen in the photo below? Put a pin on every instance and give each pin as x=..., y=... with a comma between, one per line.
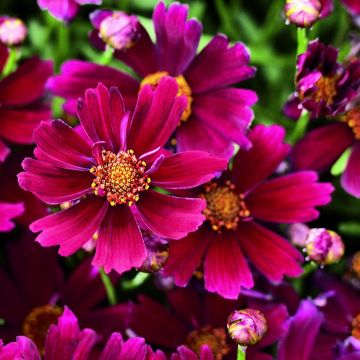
x=302, y=41
x=11, y=62
x=137, y=281
x=300, y=127
x=241, y=352
x=110, y=291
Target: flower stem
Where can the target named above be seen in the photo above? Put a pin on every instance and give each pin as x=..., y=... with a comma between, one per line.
x=110, y=291
x=241, y=352
x=300, y=127
x=11, y=62
x=302, y=41
x=137, y=281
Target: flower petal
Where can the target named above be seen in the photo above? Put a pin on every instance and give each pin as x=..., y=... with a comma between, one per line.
x=177, y=38
x=219, y=65
x=185, y=255
x=4, y=55
x=54, y=185
x=120, y=245
x=73, y=227
x=270, y=253
x=289, y=199
x=7, y=213
x=156, y=116
x=169, y=216
x=350, y=179
x=225, y=268
x=187, y=170
x=321, y=147
x=267, y=151
x=61, y=9
x=4, y=151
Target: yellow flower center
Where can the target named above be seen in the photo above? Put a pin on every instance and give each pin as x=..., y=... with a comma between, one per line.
x=214, y=338
x=326, y=89
x=183, y=89
x=356, y=327
x=37, y=323
x=352, y=118
x=224, y=206
x=120, y=177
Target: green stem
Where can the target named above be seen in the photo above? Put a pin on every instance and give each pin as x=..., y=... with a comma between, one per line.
x=110, y=291
x=225, y=18
x=11, y=62
x=106, y=56
x=302, y=41
x=300, y=127
x=138, y=280
x=241, y=352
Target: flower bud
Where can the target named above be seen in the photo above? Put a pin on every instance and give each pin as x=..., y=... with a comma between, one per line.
x=324, y=246
x=12, y=31
x=302, y=13
x=247, y=327
x=119, y=30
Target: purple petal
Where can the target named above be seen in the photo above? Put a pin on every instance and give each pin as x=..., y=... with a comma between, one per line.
x=4, y=151
x=350, y=179
x=7, y=213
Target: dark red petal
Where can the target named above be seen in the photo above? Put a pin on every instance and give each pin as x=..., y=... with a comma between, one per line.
x=350, y=179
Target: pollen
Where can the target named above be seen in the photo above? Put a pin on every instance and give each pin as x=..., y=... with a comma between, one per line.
x=214, y=338
x=356, y=327
x=352, y=118
x=120, y=177
x=183, y=89
x=38, y=321
x=326, y=90
x=224, y=207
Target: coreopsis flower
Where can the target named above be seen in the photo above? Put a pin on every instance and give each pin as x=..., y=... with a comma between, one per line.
x=236, y=204
x=37, y=291
x=65, y=10
x=247, y=326
x=217, y=114
x=324, y=87
x=304, y=13
x=66, y=341
x=12, y=31
x=198, y=320
x=324, y=246
x=22, y=106
x=110, y=176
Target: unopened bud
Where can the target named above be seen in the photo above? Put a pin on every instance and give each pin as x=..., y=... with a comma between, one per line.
x=302, y=13
x=247, y=327
x=119, y=30
x=12, y=31
x=324, y=246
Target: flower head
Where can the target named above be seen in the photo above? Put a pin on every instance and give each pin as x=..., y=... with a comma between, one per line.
x=12, y=31
x=109, y=175
x=304, y=13
x=247, y=327
x=217, y=113
x=324, y=246
x=236, y=203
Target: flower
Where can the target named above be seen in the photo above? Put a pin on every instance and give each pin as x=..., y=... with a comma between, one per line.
x=324, y=246
x=217, y=114
x=9, y=211
x=65, y=10
x=353, y=8
x=324, y=87
x=12, y=31
x=109, y=176
x=37, y=292
x=235, y=205
x=304, y=13
x=22, y=106
x=247, y=326
x=195, y=319
x=67, y=339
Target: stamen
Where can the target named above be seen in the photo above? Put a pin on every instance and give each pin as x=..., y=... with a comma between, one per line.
x=120, y=177
x=326, y=90
x=352, y=118
x=183, y=89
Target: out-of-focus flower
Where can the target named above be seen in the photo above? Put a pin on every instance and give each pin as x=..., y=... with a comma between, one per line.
x=217, y=113
x=235, y=205
x=12, y=31
x=197, y=320
x=9, y=211
x=66, y=341
x=22, y=106
x=247, y=326
x=304, y=13
x=353, y=8
x=65, y=10
x=113, y=168
x=324, y=246
x=324, y=87
x=36, y=293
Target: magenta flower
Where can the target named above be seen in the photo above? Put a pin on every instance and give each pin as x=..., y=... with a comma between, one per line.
x=195, y=320
x=9, y=211
x=65, y=10
x=12, y=31
x=66, y=341
x=21, y=101
x=217, y=114
x=235, y=205
x=324, y=87
x=116, y=167
x=37, y=291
